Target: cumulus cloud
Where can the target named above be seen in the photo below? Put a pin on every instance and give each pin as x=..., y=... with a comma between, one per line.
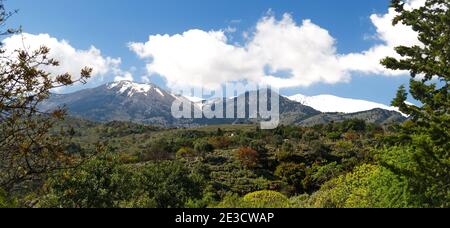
x=279, y=52
x=71, y=60
x=196, y=58
x=201, y=58
x=305, y=50
x=124, y=76
x=390, y=36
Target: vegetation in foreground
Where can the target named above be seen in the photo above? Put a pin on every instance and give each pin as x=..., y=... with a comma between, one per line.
x=48, y=163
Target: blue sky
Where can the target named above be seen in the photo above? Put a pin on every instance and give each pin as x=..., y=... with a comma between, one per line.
x=110, y=25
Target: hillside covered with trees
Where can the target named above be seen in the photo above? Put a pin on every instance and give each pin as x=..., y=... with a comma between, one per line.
x=50, y=160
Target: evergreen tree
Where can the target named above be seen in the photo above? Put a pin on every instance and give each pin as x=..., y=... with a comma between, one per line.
x=428, y=128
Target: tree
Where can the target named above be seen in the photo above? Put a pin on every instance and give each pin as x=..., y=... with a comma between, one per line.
x=159, y=149
x=293, y=174
x=5, y=202
x=368, y=186
x=248, y=157
x=259, y=199
x=101, y=182
x=202, y=146
x=186, y=153
x=27, y=148
x=219, y=142
x=104, y=182
x=356, y=125
x=170, y=184
x=428, y=129
x=260, y=147
x=265, y=199
x=319, y=174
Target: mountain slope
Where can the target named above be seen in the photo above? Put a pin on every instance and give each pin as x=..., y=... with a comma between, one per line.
x=376, y=116
x=290, y=111
x=119, y=101
x=149, y=104
x=329, y=103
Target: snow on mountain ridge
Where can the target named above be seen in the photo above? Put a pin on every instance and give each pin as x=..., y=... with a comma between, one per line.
x=322, y=103
x=134, y=88
x=330, y=104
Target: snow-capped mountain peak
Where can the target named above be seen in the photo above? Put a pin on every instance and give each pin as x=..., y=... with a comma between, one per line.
x=331, y=104
x=132, y=88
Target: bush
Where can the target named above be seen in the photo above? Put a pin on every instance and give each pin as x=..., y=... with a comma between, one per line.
x=202, y=146
x=99, y=183
x=105, y=183
x=299, y=201
x=369, y=186
x=186, y=152
x=219, y=142
x=170, y=185
x=334, y=136
x=265, y=199
x=354, y=125
x=248, y=157
x=157, y=150
x=4, y=201
x=293, y=174
x=230, y=201
x=259, y=199
x=426, y=168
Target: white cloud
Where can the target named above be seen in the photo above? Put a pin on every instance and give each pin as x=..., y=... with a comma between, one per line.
x=307, y=51
x=71, y=60
x=125, y=76
x=304, y=54
x=390, y=36
x=196, y=58
x=200, y=58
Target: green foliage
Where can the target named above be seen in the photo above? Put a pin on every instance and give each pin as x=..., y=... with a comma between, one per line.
x=99, y=183
x=219, y=142
x=334, y=136
x=265, y=199
x=192, y=179
x=202, y=146
x=351, y=164
x=259, y=199
x=28, y=148
x=186, y=152
x=426, y=174
x=292, y=173
x=170, y=184
x=355, y=125
x=426, y=137
x=104, y=182
x=368, y=186
x=287, y=153
x=157, y=150
x=5, y=202
x=318, y=174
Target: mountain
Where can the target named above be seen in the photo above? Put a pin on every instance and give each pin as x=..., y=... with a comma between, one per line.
x=333, y=104
x=149, y=104
x=376, y=116
x=120, y=101
x=290, y=111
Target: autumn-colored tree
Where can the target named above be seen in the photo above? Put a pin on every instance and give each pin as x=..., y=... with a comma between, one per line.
x=27, y=148
x=248, y=157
